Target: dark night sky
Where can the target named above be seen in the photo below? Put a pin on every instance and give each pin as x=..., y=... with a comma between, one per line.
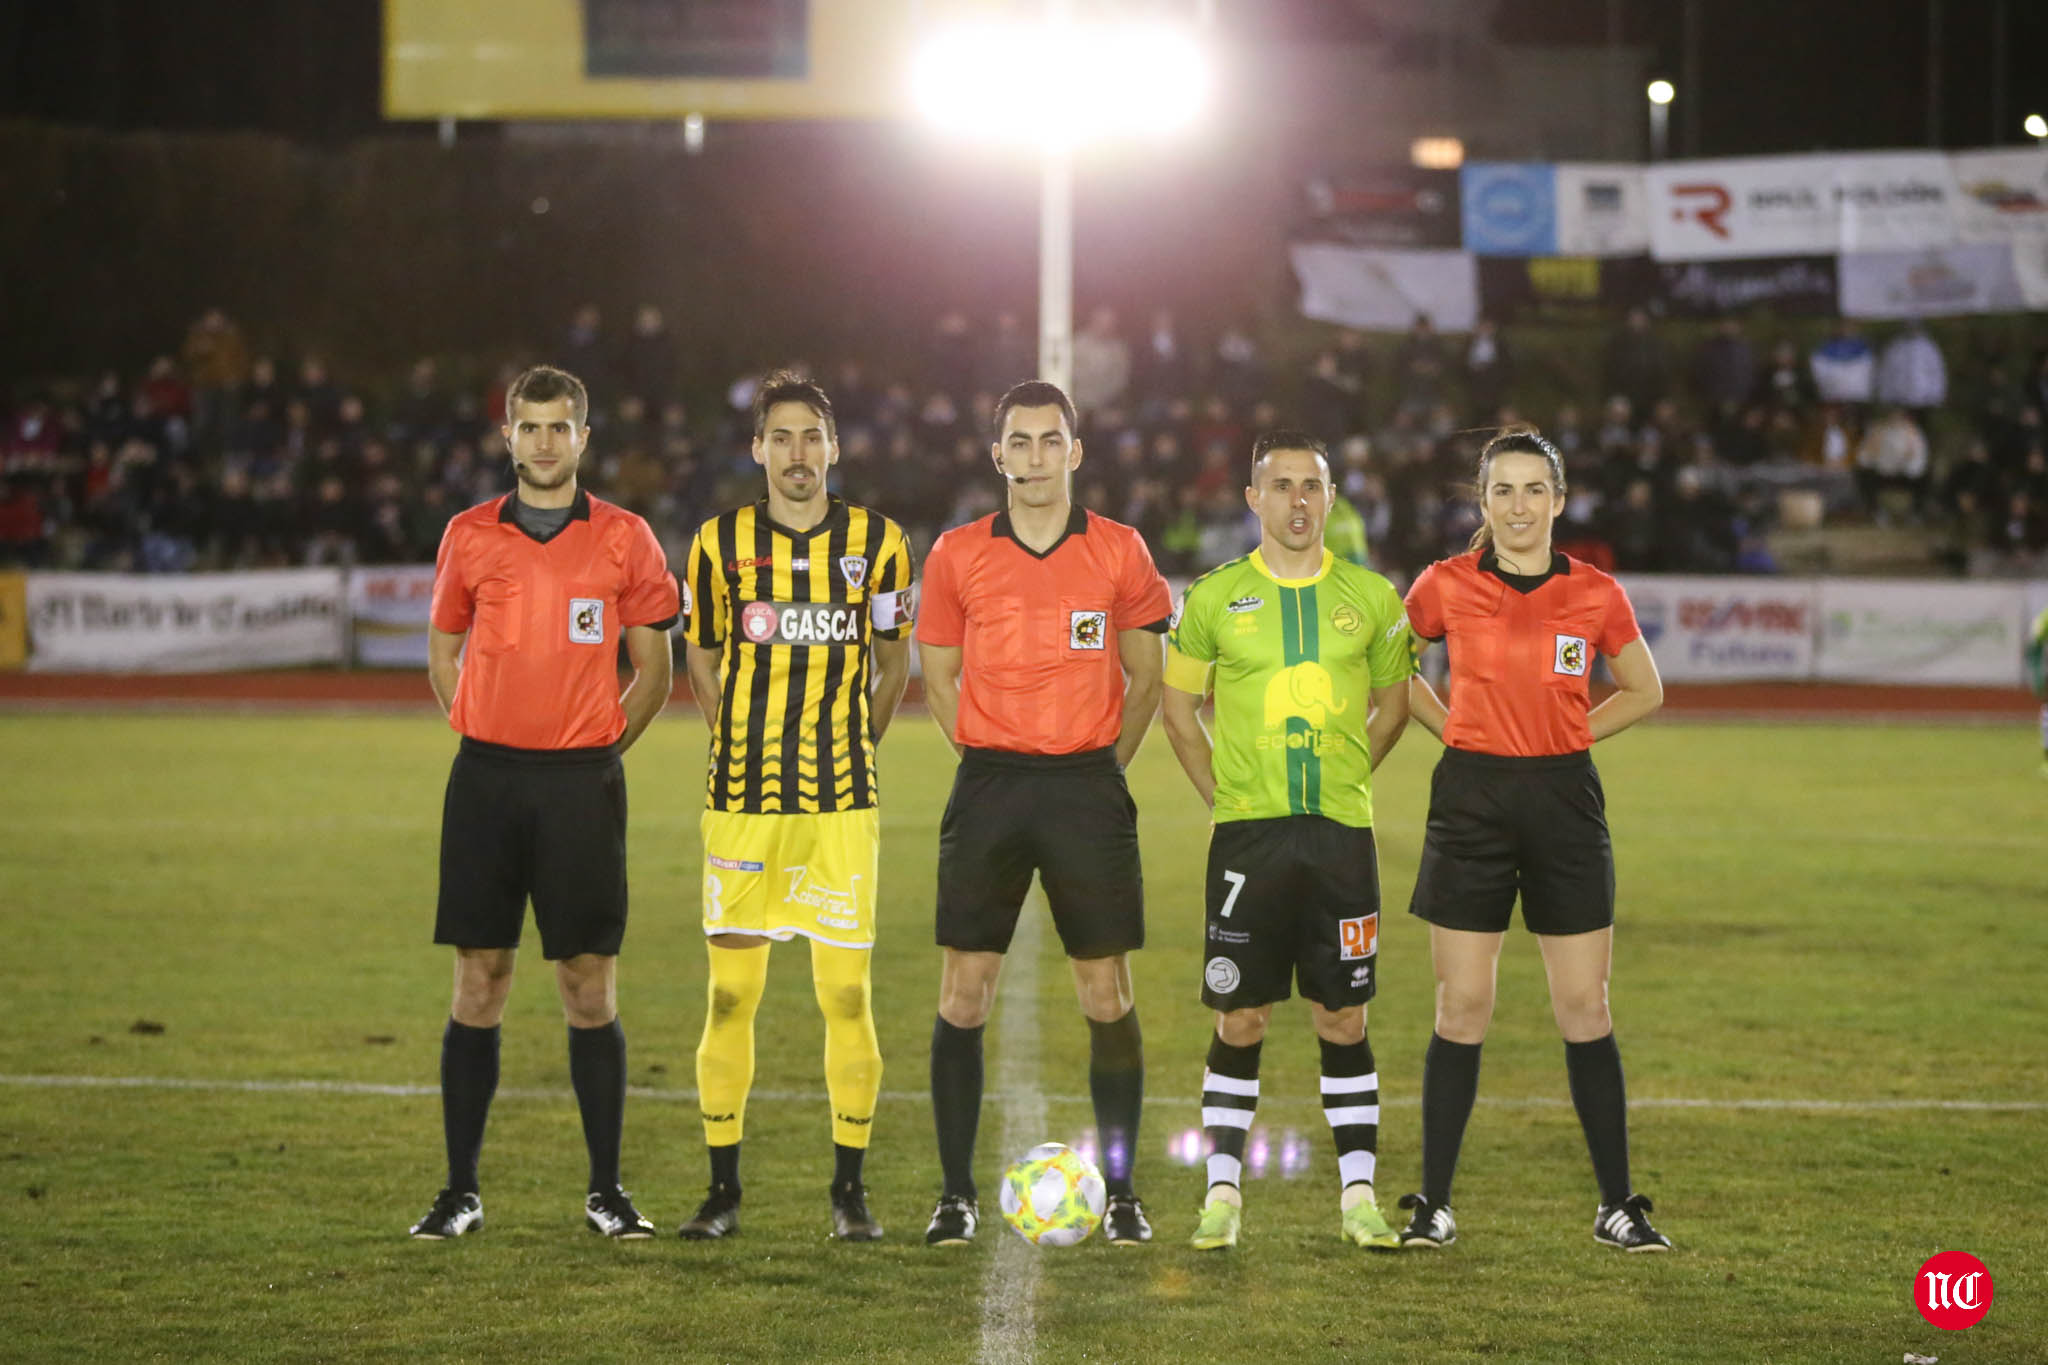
x=1778, y=75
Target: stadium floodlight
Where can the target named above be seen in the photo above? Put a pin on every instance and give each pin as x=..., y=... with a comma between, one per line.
x=2037, y=127
x=1437, y=153
x=1661, y=92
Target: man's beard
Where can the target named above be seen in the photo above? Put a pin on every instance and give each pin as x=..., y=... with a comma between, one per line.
x=532, y=480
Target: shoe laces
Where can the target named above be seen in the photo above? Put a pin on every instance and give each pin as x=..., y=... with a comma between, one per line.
x=447, y=1204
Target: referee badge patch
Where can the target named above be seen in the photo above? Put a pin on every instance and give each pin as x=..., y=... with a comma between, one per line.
x=1087, y=630
x=586, y=620
x=1571, y=656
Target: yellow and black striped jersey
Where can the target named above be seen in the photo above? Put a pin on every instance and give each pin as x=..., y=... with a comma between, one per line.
x=793, y=613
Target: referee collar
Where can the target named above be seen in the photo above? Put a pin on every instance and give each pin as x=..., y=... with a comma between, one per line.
x=508, y=512
x=1077, y=525
x=834, y=518
x=1560, y=563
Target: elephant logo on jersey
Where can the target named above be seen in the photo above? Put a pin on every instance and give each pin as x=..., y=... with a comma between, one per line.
x=1571, y=656
x=1305, y=691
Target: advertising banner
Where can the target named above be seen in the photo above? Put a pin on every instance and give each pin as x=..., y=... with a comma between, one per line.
x=13, y=619
x=1931, y=283
x=1564, y=288
x=1396, y=206
x=1801, y=285
x=1509, y=208
x=1800, y=205
x=150, y=623
x=1601, y=209
x=1725, y=629
x=1920, y=632
x=1383, y=290
x=389, y=609
x=2001, y=196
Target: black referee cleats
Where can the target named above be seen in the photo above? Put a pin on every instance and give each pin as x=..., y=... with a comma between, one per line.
x=1624, y=1227
x=851, y=1221
x=953, y=1222
x=452, y=1215
x=1124, y=1223
x=1431, y=1227
x=611, y=1212
x=718, y=1216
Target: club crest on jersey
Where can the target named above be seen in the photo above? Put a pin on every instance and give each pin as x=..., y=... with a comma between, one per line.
x=1345, y=620
x=1571, y=656
x=854, y=568
x=1358, y=938
x=586, y=620
x=1087, y=630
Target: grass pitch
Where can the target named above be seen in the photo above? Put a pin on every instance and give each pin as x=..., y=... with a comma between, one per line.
x=1825, y=931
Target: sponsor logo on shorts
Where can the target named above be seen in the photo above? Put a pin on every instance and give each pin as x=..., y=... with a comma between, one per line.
x=733, y=864
x=586, y=620
x=1222, y=975
x=1252, y=603
x=1345, y=620
x=1571, y=656
x=1088, y=630
x=1362, y=975
x=1218, y=934
x=800, y=623
x=854, y=569
x=1358, y=938
x=835, y=909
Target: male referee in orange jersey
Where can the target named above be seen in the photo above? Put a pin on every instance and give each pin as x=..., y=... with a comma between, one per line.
x=540, y=585
x=1039, y=635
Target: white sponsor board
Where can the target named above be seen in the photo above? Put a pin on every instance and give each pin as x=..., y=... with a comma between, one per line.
x=1703, y=629
x=1382, y=289
x=1601, y=209
x=164, y=623
x=1931, y=282
x=389, y=607
x=1800, y=205
x=1920, y=632
x=2001, y=196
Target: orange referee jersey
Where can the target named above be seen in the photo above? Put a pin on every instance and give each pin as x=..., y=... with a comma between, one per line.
x=1040, y=671
x=1520, y=661
x=540, y=667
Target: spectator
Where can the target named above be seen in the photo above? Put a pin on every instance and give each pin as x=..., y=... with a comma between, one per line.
x=423, y=412
x=1785, y=383
x=1892, y=457
x=1489, y=372
x=1635, y=365
x=1330, y=400
x=585, y=352
x=1844, y=368
x=1831, y=441
x=24, y=533
x=950, y=365
x=1724, y=374
x=1353, y=358
x=652, y=367
x=1162, y=365
x=217, y=364
x=1005, y=354
x=1240, y=374
x=1699, y=532
x=1911, y=374
x=318, y=393
x=1102, y=364
x=1419, y=368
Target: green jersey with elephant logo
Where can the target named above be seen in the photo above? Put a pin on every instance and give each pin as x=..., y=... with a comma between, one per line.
x=1292, y=662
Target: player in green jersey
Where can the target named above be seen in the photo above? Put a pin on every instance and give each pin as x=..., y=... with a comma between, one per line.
x=1308, y=656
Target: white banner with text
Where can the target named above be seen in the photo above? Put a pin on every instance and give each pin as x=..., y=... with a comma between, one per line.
x=1920, y=632
x=179, y=623
x=1702, y=629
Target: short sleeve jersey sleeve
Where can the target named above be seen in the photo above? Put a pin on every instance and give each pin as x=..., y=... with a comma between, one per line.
x=706, y=612
x=454, y=602
x=1143, y=601
x=941, y=619
x=1426, y=606
x=891, y=608
x=1191, y=640
x=1390, y=658
x=649, y=596
x=1618, y=621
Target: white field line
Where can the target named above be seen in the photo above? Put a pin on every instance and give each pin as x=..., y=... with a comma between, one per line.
x=1028, y=1101
x=1009, y=1289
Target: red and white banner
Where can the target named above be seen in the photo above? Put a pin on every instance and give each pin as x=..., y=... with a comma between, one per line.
x=1800, y=205
x=389, y=608
x=176, y=623
x=1704, y=629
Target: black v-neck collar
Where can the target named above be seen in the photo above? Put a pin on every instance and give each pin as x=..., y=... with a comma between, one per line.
x=1526, y=583
x=508, y=514
x=1077, y=525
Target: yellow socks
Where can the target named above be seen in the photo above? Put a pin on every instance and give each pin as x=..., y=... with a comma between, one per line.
x=853, y=1059
x=725, y=1056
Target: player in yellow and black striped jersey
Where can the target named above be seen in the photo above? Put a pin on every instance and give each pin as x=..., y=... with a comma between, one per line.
x=785, y=602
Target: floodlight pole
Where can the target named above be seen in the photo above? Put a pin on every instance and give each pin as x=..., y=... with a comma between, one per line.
x=1056, y=263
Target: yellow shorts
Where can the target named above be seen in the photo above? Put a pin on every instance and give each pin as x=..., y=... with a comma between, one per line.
x=778, y=876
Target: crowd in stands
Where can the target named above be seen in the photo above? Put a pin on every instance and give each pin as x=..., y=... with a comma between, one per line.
x=1682, y=460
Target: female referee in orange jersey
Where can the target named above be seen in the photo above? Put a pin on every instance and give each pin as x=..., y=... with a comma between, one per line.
x=1515, y=806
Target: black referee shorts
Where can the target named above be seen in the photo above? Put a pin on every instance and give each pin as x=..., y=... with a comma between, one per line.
x=1067, y=817
x=1501, y=825
x=1295, y=897
x=545, y=824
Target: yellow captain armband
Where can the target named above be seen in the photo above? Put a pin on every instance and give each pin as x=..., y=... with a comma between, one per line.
x=1185, y=674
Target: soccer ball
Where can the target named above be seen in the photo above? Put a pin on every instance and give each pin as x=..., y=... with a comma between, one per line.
x=1053, y=1196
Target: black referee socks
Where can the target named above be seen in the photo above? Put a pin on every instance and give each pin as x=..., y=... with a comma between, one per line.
x=597, y=1069
x=469, y=1077
x=956, y=1102
x=1601, y=1097
x=1116, y=1082
x=1450, y=1084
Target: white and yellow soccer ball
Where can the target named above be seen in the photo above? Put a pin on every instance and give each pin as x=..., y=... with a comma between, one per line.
x=1053, y=1196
